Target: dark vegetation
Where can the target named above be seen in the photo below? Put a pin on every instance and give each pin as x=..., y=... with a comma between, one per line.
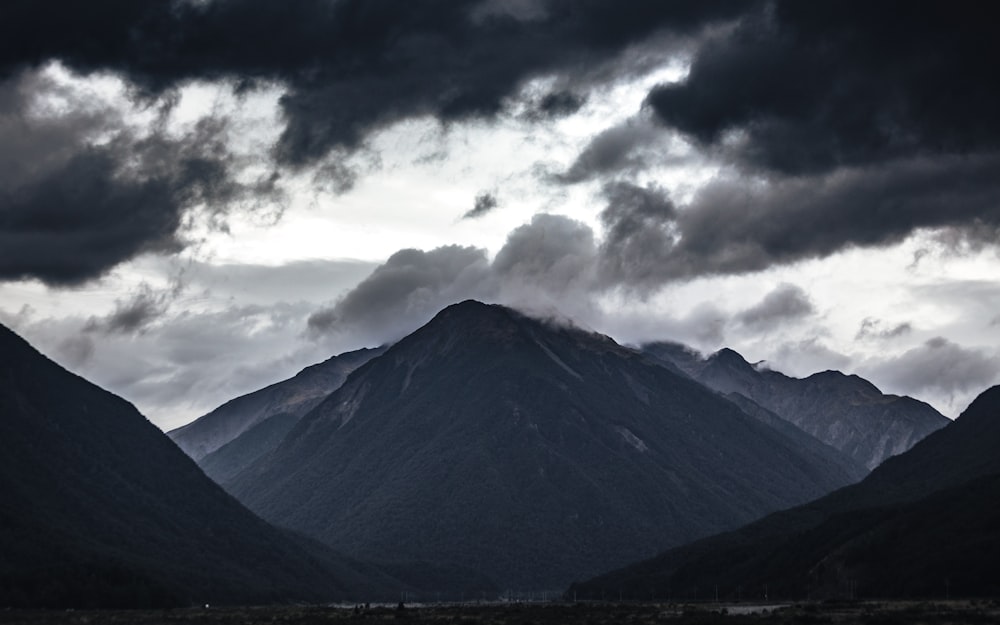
x=531, y=452
x=925, y=523
x=100, y=509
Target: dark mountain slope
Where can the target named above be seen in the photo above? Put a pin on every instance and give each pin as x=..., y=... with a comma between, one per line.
x=227, y=461
x=807, y=443
x=294, y=396
x=534, y=453
x=921, y=517
x=845, y=411
x=101, y=509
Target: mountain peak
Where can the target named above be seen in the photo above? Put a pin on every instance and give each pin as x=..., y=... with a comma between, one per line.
x=10, y=340
x=845, y=411
x=730, y=357
x=983, y=408
x=833, y=379
x=473, y=310
x=496, y=323
x=567, y=434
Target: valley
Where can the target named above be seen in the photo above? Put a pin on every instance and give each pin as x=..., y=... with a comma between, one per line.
x=936, y=612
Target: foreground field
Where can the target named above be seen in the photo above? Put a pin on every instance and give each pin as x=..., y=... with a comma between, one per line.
x=864, y=613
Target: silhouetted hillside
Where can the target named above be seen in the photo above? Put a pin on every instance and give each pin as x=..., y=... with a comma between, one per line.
x=532, y=452
x=101, y=509
x=923, y=522
x=845, y=411
x=269, y=412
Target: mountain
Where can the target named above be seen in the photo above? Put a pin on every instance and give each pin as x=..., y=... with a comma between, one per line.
x=533, y=452
x=226, y=462
x=924, y=523
x=100, y=509
x=845, y=411
x=287, y=400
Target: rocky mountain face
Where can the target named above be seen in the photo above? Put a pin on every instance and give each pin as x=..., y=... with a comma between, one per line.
x=532, y=452
x=287, y=400
x=844, y=411
x=100, y=509
x=924, y=523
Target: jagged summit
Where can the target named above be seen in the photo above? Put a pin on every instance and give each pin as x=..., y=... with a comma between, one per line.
x=844, y=411
x=846, y=381
x=729, y=356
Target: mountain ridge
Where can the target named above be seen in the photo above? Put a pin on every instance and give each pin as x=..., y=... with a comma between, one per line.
x=294, y=396
x=842, y=410
x=472, y=438
x=102, y=510
x=889, y=532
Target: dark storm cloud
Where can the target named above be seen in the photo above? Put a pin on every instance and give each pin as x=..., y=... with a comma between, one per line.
x=94, y=211
x=349, y=66
x=485, y=202
x=732, y=227
x=134, y=314
x=409, y=288
x=72, y=208
x=551, y=251
x=617, y=149
x=560, y=104
x=550, y=257
x=639, y=227
x=785, y=304
x=818, y=85
x=553, y=105
x=854, y=124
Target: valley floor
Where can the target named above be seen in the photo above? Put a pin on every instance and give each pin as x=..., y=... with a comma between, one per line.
x=840, y=613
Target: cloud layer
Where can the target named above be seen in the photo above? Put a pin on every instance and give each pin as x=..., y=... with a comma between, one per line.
x=349, y=66
x=849, y=131
x=84, y=191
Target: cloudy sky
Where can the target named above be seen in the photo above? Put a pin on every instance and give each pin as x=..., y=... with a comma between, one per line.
x=201, y=197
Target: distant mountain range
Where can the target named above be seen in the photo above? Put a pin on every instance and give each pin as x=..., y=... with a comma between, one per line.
x=844, y=411
x=100, y=509
x=231, y=437
x=532, y=452
x=925, y=524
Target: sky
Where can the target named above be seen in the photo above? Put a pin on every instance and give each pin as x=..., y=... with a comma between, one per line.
x=201, y=197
